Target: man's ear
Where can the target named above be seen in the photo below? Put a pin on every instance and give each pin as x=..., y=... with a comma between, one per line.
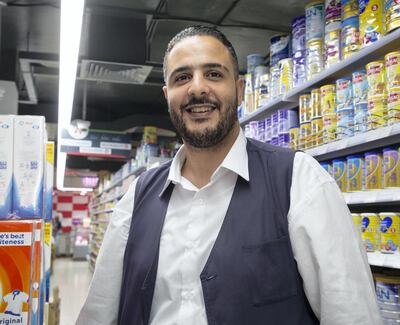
x=240, y=89
x=165, y=91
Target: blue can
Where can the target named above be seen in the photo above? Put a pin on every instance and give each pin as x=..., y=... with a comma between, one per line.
x=355, y=173
x=268, y=130
x=339, y=173
x=279, y=48
x=253, y=61
x=360, y=117
x=345, y=122
x=261, y=131
x=275, y=121
x=284, y=140
x=327, y=166
x=299, y=34
x=344, y=93
x=360, y=86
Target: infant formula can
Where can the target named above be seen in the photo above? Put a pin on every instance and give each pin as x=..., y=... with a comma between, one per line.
x=284, y=140
x=293, y=117
x=268, y=130
x=294, y=137
x=329, y=122
x=248, y=95
x=283, y=121
x=261, y=131
x=377, y=112
x=327, y=166
x=360, y=86
x=253, y=129
x=371, y=21
x=345, y=123
x=370, y=224
x=376, y=76
x=391, y=15
x=357, y=221
x=391, y=167
x=275, y=125
x=315, y=20
x=349, y=8
x=328, y=99
x=316, y=132
x=332, y=43
x=373, y=170
x=261, y=89
x=279, y=48
x=274, y=81
x=314, y=58
x=350, y=37
x=304, y=135
x=299, y=67
x=393, y=106
x=388, y=292
x=304, y=108
x=390, y=223
x=339, y=173
x=315, y=103
x=392, y=65
x=254, y=60
x=355, y=172
x=360, y=117
x=344, y=93
x=332, y=11
x=285, y=75
x=298, y=34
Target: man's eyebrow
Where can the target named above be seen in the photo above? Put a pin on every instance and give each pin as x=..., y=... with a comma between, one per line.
x=204, y=66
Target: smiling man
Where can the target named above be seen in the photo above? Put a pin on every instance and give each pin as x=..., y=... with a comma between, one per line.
x=232, y=231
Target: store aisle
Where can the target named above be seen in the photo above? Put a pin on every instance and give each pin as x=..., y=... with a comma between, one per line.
x=73, y=279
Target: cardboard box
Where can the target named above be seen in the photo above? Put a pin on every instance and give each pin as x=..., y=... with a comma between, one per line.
x=28, y=166
x=36, y=274
x=16, y=250
x=6, y=164
x=49, y=180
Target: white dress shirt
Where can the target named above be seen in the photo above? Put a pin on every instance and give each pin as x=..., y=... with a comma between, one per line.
x=328, y=250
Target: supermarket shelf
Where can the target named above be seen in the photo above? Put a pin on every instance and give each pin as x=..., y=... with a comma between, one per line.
x=338, y=70
x=100, y=221
x=373, y=139
x=136, y=172
x=107, y=201
x=102, y=211
x=390, y=195
x=384, y=260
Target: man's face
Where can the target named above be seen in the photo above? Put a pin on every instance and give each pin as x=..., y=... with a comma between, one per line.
x=201, y=90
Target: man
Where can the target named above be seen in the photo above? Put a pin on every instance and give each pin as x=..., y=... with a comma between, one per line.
x=233, y=231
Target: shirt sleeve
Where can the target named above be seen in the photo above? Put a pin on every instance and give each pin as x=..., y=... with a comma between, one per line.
x=102, y=301
x=328, y=250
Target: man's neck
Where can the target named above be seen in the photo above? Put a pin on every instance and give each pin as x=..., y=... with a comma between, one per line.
x=200, y=164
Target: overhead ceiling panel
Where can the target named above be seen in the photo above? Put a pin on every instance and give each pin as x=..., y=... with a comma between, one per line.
x=136, y=5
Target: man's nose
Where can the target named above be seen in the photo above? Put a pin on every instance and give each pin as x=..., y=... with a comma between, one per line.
x=198, y=86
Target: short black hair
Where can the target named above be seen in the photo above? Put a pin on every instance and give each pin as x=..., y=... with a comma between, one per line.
x=199, y=30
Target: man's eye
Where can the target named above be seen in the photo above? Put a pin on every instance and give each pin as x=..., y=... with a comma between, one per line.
x=183, y=77
x=214, y=74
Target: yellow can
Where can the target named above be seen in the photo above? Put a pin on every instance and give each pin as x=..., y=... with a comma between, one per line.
x=371, y=21
x=390, y=226
x=315, y=103
x=373, y=170
x=314, y=58
x=304, y=135
x=376, y=76
x=393, y=106
x=370, y=234
x=285, y=75
x=392, y=64
x=332, y=46
x=294, y=138
x=339, y=167
x=349, y=9
x=391, y=167
x=377, y=112
x=316, y=132
x=304, y=108
x=392, y=15
x=328, y=99
x=357, y=221
x=329, y=122
x=355, y=171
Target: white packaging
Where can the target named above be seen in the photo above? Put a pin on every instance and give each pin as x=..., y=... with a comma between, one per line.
x=28, y=166
x=6, y=165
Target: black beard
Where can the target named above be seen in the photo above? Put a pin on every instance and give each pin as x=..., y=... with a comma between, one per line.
x=209, y=137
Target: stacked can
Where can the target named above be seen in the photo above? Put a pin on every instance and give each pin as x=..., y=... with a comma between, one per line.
x=268, y=130
x=355, y=173
x=284, y=117
x=391, y=167
x=299, y=50
x=285, y=76
x=340, y=173
x=316, y=118
x=315, y=26
x=388, y=293
x=373, y=170
x=248, y=95
x=392, y=65
x=332, y=32
x=370, y=224
x=328, y=111
x=305, y=121
x=391, y=13
x=360, y=90
x=275, y=133
x=261, y=86
x=274, y=82
x=377, y=94
x=293, y=129
x=253, y=61
x=344, y=108
x=350, y=36
x=371, y=21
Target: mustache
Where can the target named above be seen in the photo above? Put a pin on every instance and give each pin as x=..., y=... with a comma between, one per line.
x=200, y=101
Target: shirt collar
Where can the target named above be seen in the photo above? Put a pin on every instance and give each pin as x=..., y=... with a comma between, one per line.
x=236, y=161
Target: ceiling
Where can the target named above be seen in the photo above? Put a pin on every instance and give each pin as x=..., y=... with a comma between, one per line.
x=122, y=31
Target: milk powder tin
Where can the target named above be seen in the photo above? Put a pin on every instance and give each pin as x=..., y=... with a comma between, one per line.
x=293, y=117
x=388, y=292
x=349, y=8
x=279, y=48
x=253, y=129
x=261, y=131
x=371, y=21
x=314, y=58
x=373, y=170
x=370, y=224
x=248, y=95
x=344, y=93
x=329, y=122
x=298, y=34
x=357, y=221
x=355, y=172
x=392, y=65
x=275, y=124
x=285, y=75
x=254, y=60
x=390, y=226
x=332, y=11
x=345, y=122
x=391, y=167
x=327, y=166
x=283, y=121
x=304, y=108
x=376, y=76
x=332, y=44
x=299, y=67
x=315, y=20
x=261, y=90
x=294, y=137
x=268, y=130
x=304, y=135
x=360, y=86
x=284, y=140
x=392, y=15
x=274, y=81
x=393, y=106
x=360, y=117
x=328, y=99
x=350, y=37
x=316, y=132
x=377, y=112
x=315, y=103
x=339, y=173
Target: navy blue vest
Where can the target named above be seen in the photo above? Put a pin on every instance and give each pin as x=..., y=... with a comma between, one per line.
x=251, y=276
